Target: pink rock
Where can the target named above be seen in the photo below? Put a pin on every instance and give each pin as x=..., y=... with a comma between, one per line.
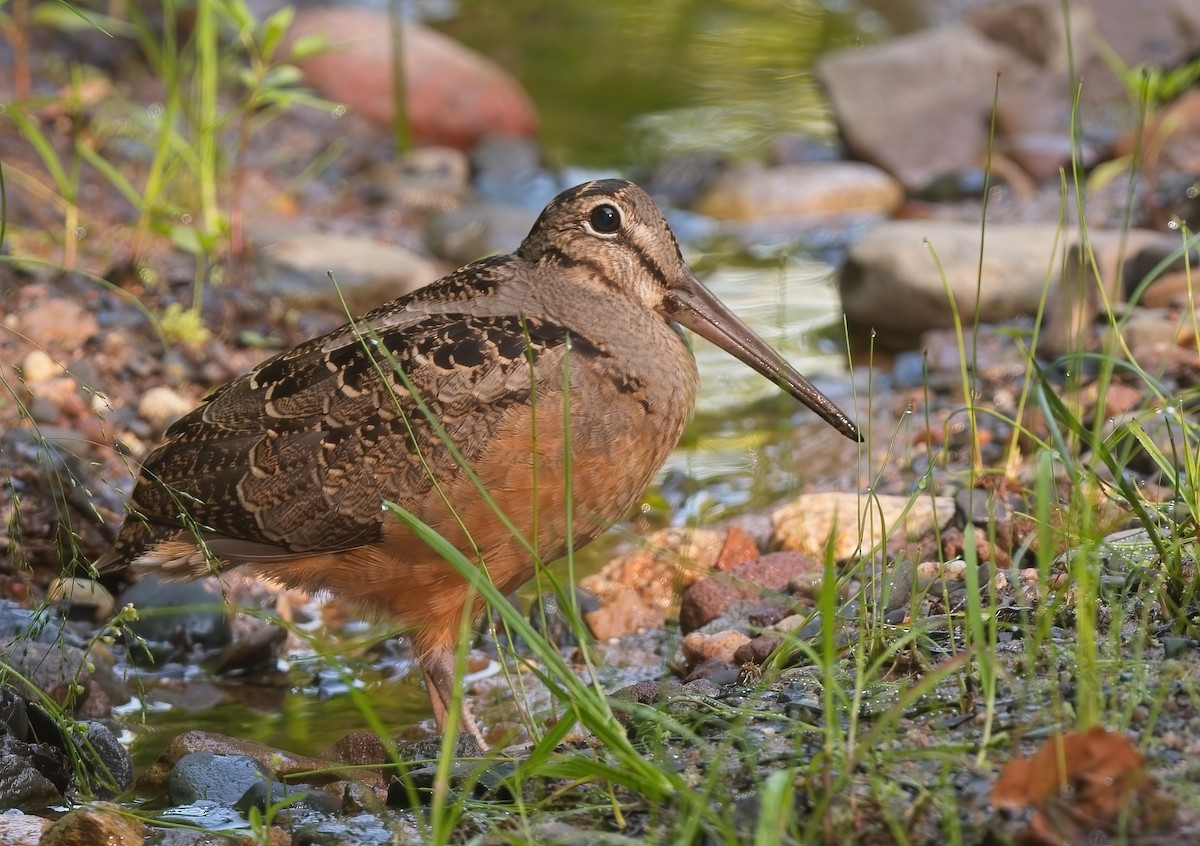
x=455, y=95
x=708, y=598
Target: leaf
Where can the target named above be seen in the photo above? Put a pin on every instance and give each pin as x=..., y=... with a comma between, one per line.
x=1078, y=783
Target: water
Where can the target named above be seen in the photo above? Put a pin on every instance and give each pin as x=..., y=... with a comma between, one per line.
x=625, y=82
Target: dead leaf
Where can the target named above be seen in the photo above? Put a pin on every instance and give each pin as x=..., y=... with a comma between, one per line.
x=1078, y=783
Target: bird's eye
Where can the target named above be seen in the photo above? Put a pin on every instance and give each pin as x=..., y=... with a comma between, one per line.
x=605, y=219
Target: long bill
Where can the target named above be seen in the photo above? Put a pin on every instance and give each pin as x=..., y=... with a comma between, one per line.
x=694, y=306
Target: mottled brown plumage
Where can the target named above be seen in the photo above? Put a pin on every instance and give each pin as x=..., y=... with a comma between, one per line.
x=285, y=469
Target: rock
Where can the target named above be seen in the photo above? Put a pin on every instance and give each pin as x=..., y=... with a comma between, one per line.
x=465, y=234
x=454, y=97
x=14, y=716
x=294, y=267
x=1042, y=154
x=683, y=179
x=628, y=612
x=205, y=775
x=258, y=649
x=708, y=598
x=718, y=646
x=758, y=650
x=1160, y=33
x=891, y=283
x=919, y=106
x=738, y=548
x=1168, y=146
x=18, y=829
x=57, y=323
x=508, y=172
x=95, y=824
x=359, y=749
x=200, y=624
x=33, y=776
x=752, y=191
x=1151, y=333
x=806, y=523
x=430, y=179
x=109, y=765
x=275, y=761
x=84, y=594
x=263, y=793
x=712, y=671
x=59, y=670
x=1076, y=301
x=667, y=562
x=161, y=406
x=17, y=623
x=37, y=366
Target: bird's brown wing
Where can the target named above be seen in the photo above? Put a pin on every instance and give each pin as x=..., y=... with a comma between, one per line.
x=298, y=455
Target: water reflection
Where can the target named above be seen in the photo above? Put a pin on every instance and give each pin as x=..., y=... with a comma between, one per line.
x=626, y=82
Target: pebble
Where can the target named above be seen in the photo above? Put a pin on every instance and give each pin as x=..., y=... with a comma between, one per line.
x=806, y=523
x=93, y=825
x=18, y=829
x=161, y=406
x=752, y=191
x=38, y=366
x=82, y=593
x=652, y=575
x=720, y=646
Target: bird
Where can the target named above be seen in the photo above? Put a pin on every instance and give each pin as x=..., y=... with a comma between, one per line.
x=519, y=378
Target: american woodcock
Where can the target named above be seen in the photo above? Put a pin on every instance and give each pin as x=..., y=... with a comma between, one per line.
x=285, y=470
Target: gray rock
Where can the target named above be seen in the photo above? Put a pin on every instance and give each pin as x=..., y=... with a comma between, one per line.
x=177, y=618
x=32, y=775
x=1122, y=258
x=919, y=106
x=223, y=779
x=109, y=766
x=295, y=268
x=58, y=670
x=891, y=283
x=465, y=234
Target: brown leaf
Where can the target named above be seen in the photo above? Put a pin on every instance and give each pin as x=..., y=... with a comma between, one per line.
x=1076, y=783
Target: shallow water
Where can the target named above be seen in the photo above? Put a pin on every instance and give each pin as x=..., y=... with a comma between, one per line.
x=625, y=82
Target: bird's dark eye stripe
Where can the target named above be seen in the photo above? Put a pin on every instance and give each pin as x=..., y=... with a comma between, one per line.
x=605, y=219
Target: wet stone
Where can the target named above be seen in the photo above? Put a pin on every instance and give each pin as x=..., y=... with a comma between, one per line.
x=488, y=780
x=42, y=626
x=262, y=793
x=95, y=825
x=360, y=830
x=32, y=775
x=217, y=778
x=109, y=765
x=177, y=618
x=714, y=670
x=14, y=718
x=466, y=746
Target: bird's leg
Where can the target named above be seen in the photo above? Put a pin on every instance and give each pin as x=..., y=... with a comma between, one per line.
x=438, y=666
